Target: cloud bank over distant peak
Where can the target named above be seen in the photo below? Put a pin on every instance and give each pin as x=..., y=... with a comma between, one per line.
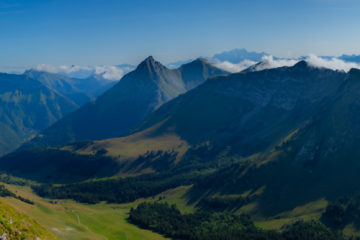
x=266, y=62
x=331, y=63
x=109, y=72
x=233, y=61
x=112, y=72
x=234, y=67
x=269, y=62
x=63, y=69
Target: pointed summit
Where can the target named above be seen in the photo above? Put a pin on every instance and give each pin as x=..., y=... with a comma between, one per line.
x=354, y=72
x=203, y=60
x=198, y=71
x=301, y=65
x=151, y=65
x=148, y=61
x=126, y=104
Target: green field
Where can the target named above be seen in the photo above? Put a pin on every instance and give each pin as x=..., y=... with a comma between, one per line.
x=67, y=219
x=70, y=220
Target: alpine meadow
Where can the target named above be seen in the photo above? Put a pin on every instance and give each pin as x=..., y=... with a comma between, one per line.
x=183, y=120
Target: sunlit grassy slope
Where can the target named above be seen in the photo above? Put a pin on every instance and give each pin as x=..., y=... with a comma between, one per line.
x=95, y=159
x=70, y=220
x=67, y=219
x=310, y=211
x=137, y=144
x=129, y=148
x=15, y=225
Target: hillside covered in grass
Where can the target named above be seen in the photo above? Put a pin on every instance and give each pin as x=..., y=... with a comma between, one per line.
x=17, y=226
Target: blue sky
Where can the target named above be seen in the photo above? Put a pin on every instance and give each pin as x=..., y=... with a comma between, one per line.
x=92, y=32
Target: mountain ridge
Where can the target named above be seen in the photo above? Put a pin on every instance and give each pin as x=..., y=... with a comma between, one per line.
x=27, y=107
x=138, y=93
x=242, y=114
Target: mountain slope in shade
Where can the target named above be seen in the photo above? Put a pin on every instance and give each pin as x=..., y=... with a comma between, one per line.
x=196, y=72
x=350, y=58
x=125, y=105
x=318, y=160
x=244, y=113
x=293, y=133
x=248, y=111
x=27, y=107
x=79, y=91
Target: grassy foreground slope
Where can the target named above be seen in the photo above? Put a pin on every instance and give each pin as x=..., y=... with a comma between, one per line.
x=70, y=220
x=15, y=225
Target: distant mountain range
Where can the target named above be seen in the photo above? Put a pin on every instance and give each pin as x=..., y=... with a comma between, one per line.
x=238, y=55
x=237, y=116
x=34, y=100
x=79, y=91
x=234, y=56
x=265, y=142
x=277, y=141
x=27, y=106
x=126, y=104
x=350, y=58
x=246, y=110
x=105, y=72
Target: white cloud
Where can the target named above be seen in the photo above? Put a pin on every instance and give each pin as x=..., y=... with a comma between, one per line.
x=332, y=63
x=109, y=72
x=231, y=67
x=62, y=68
x=70, y=71
x=268, y=62
x=113, y=73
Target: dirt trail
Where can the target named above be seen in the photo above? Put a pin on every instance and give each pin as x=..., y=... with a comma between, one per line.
x=87, y=228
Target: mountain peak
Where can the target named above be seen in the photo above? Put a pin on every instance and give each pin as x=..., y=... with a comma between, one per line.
x=238, y=55
x=148, y=63
x=149, y=59
x=301, y=65
x=200, y=59
x=354, y=72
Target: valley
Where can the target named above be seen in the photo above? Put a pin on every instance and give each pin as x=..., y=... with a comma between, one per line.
x=261, y=151
x=67, y=219
x=179, y=120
